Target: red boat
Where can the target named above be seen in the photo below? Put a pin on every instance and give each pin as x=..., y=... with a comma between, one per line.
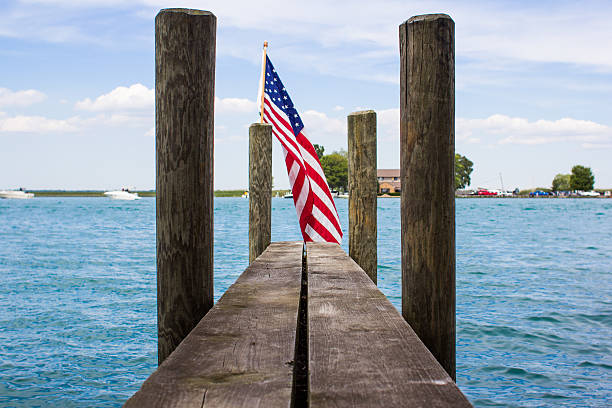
x=485, y=192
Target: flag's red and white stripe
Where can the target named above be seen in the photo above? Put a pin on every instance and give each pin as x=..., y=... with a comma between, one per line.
x=314, y=204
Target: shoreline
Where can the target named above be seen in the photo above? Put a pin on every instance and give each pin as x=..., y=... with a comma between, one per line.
x=141, y=193
x=238, y=194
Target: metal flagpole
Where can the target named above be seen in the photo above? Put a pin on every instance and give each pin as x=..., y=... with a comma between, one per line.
x=263, y=80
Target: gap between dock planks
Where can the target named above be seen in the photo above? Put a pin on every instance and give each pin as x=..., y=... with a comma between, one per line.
x=362, y=353
x=353, y=349
x=241, y=353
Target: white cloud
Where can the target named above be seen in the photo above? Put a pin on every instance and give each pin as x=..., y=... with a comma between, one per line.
x=134, y=97
x=20, y=98
x=80, y=3
x=323, y=129
x=349, y=39
x=37, y=124
x=42, y=124
x=125, y=107
x=539, y=35
x=514, y=130
x=338, y=108
x=486, y=31
x=139, y=97
x=596, y=146
x=235, y=105
x=511, y=130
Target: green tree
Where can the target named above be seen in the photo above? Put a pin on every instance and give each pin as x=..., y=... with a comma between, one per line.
x=335, y=167
x=561, y=182
x=319, y=150
x=463, y=169
x=582, y=178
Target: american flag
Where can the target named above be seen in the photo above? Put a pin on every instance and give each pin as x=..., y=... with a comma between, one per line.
x=315, y=207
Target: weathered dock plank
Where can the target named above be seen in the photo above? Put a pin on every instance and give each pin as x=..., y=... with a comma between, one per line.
x=241, y=353
x=362, y=353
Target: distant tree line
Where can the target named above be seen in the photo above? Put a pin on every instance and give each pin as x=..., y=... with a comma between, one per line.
x=581, y=178
x=335, y=167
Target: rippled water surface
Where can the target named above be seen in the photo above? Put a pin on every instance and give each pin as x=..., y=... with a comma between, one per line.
x=534, y=296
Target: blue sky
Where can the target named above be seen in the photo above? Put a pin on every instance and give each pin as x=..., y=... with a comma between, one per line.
x=533, y=85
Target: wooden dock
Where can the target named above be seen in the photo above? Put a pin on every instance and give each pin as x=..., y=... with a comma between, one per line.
x=304, y=325
x=340, y=344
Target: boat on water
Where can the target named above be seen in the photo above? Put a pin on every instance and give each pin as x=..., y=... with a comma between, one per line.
x=288, y=195
x=245, y=194
x=588, y=194
x=123, y=194
x=338, y=194
x=20, y=194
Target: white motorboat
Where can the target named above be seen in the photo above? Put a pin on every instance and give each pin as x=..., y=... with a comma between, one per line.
x=18, y=194
x=288, y=195
x=123, y=194
x=588, y=194
x=338, y=194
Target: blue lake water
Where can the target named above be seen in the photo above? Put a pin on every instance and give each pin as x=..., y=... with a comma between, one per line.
x=534, y=296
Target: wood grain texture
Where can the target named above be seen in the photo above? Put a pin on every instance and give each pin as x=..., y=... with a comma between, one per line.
x=362, y=353
x=427, y=151
x=260, y=188
x=184, y=103
x=241, y=352
x=363, y=187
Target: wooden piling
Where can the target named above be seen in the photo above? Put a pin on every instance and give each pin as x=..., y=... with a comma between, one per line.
x=363, y=187
x=427, y=149
x=184, y=105
x=260, y=188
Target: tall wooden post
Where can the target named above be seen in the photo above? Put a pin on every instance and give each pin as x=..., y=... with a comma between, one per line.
x=184, y=103
x=260, y=188
x=427, y=156
x=362, y=190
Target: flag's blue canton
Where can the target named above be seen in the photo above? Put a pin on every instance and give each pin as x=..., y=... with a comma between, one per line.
x=279, y=96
